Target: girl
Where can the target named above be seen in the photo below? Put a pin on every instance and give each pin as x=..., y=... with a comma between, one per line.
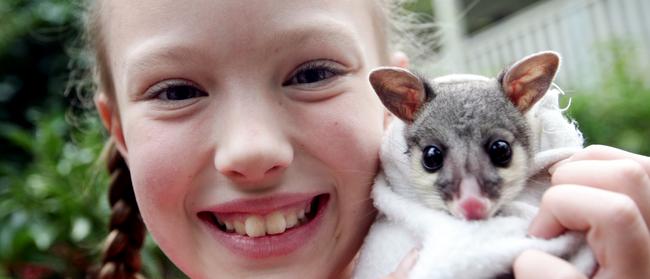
x=251, y=135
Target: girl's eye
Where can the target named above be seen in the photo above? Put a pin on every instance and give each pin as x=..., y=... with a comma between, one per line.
x=175, y=90
x=313, y=73
x=180, y=92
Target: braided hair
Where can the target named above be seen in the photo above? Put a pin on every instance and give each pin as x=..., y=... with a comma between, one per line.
x=121, y=251
x=120, y=257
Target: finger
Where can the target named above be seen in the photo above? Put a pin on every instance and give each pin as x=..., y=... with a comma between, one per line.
x=534, y=264
x=602, y=152
x=615, y=229
x=404, y=268
x=623, y=176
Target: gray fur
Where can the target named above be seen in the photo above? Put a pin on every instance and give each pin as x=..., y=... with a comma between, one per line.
x=462, y=118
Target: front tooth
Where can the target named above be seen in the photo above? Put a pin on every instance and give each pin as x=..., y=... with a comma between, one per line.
x=240, y=228
x=255, y=226
x=229, y=225
x=275, y=223
x=291, y=219
x=308, y=208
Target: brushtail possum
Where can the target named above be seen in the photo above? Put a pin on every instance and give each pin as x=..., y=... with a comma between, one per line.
x=465, y=149
x=468, y=141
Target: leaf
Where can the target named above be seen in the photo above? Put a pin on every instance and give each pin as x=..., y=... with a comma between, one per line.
x=17, y=136
x=80, y=229
x=43, y=234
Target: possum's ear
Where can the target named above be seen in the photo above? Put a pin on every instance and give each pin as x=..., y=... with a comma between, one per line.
x=401, y=91
x=526, y=81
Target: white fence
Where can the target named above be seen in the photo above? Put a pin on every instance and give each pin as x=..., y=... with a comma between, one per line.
x=581, y=30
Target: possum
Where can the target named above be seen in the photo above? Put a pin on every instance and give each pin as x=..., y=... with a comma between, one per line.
x=463, y=170
x=467, y=139
x=461, y=175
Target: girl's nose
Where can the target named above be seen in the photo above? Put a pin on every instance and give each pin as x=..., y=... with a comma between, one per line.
x=254, y=153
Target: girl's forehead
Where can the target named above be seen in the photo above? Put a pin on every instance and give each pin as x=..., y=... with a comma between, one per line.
x=142, y=31
x=169, y=48
x=238, y=24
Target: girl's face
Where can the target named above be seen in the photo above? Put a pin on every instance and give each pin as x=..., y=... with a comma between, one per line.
x=250, y=129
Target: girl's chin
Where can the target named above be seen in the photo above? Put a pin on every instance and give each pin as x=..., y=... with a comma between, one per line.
x=245, y=239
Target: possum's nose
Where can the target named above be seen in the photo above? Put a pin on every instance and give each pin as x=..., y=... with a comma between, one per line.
x=474, y=209
x=472, y=203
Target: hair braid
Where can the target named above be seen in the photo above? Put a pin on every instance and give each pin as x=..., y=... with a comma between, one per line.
x=121, y=251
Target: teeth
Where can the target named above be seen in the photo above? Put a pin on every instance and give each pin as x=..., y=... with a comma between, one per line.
x=255, y=226
x=292, y=219
x=229, y=226
x=240, y=228
x=275, y=223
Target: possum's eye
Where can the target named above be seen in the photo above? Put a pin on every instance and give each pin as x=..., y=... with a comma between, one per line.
x=432, y=158
x=500, y=153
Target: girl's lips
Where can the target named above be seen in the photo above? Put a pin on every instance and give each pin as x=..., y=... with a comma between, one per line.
x=261, y=206
x=266, y=245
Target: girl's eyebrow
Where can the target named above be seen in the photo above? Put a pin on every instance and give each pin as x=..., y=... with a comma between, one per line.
x=160, y=52
x=316, y=32
x=146, y=58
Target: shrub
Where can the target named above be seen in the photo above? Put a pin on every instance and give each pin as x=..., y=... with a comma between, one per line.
x=617, y=113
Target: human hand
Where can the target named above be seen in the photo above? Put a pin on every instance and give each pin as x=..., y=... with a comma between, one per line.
x=404, y=268
x=604, y=192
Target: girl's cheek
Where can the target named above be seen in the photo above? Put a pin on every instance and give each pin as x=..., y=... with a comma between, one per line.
x=348, y=133
x=163, y=159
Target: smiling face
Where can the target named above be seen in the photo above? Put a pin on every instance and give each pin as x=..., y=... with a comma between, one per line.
x=250, y=129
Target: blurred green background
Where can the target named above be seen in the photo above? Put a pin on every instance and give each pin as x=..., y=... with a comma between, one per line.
x=53, y=206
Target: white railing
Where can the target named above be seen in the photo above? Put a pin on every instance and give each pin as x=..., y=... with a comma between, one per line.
x=579, y=29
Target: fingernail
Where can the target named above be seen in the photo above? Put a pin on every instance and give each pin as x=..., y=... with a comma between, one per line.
x=554, y=167
x=534, y=229
x=538, y=229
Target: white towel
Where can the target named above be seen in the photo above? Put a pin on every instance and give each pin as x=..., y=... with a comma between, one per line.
x=454, y=248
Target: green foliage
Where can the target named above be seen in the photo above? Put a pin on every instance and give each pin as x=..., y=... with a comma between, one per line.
x=617, y=113
x=33, y=63
x=54, y=210
x=21, y=17
x=53, y=205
